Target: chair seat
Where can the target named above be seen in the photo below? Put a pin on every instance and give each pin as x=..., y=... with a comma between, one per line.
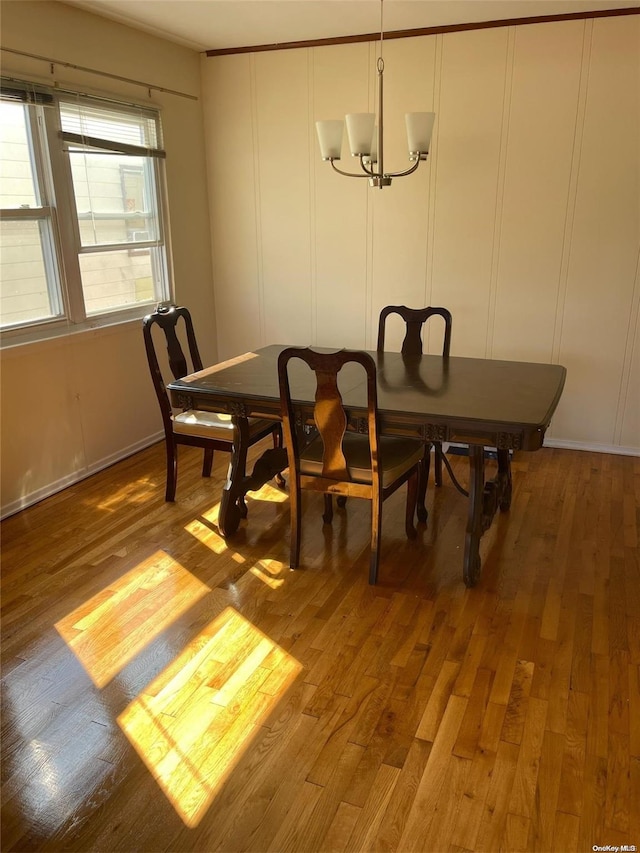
x=397, y=455
x=214, y=425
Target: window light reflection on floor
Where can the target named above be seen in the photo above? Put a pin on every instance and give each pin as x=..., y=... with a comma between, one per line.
x=269, y=572
x=192, y=724
x=204, y=534
x=110, y=629
x=134, y=493
x=204, y=528
x=271, y=493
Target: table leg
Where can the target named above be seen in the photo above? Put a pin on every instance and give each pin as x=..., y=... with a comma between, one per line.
x=423, y=482
x=471, y=564
x=504, y=480
x=484, y=500
x=271, y=463
x=233, y=491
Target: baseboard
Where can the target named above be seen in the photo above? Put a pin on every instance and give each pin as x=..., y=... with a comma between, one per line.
x=592, y=447
x=75, y=477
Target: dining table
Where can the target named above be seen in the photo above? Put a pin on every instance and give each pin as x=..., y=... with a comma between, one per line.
x=477, y=403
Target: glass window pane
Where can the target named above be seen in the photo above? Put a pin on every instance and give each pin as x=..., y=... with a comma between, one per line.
x=119, y=279
x=24, y=253
x=114, y=194
x=17, y=186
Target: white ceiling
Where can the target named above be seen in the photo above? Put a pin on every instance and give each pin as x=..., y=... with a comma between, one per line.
x=215, y=24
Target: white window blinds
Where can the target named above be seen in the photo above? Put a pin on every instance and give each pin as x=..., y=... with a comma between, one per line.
x=87, y=123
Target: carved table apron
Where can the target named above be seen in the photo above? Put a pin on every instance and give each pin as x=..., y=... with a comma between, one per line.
x=480, y=402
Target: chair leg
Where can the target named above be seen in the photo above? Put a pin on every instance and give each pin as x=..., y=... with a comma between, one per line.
x=342, y=501
x=376, y=530
x=277, y=436
x=207, y=462
x=277, y=444
x=327, y=515
x=423, y=482
x=412, y=495
x=296, y=519
x=172, y=470
x=438, y=465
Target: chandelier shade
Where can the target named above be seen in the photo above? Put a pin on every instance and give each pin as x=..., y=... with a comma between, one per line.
x=419, y=130
x=360, y=132
x=330, y=138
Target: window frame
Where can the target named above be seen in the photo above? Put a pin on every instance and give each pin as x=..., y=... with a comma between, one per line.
x=51, y=164
x=43, y=212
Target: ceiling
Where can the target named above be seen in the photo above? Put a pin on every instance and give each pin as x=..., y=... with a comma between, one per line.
x=215, y=24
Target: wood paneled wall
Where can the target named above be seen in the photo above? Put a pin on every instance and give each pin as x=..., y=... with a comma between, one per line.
x=525, y=220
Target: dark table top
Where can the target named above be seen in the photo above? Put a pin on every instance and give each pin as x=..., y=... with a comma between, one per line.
x=471, y=400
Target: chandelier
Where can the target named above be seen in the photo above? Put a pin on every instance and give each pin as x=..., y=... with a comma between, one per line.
x=366, y=140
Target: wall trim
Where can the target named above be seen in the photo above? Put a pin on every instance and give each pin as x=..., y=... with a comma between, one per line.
x=425, y=31
x=77, y=476
x=592, y=447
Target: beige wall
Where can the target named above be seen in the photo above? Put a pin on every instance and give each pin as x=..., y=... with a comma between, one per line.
x=72, y=405
x=525, y=220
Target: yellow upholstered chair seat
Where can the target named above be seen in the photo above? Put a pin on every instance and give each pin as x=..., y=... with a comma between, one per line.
x=213, y=424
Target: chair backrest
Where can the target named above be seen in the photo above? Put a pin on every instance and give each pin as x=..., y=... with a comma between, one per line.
x=415, y=318
x=168, y=319
x=328, y=411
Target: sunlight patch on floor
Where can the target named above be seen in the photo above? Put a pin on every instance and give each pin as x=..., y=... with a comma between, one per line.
x=205, y=527
x=110, y=629
x=271, y=493
x=269, y=572
x=211, y=515
x=137, y=492
x=204, y=534
x=192, y=724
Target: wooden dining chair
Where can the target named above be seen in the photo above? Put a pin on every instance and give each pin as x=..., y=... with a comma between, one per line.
x=209, y=430
x=415, y=319
x=336, y=459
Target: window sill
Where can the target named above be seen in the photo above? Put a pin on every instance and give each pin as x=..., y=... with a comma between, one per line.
x=14, y=338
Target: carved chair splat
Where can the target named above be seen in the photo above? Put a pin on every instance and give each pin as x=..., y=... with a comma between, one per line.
x=336, y=460
x=415, y=319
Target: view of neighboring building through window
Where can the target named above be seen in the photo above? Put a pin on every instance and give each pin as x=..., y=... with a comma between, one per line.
x=81, y=208
x=29, y=282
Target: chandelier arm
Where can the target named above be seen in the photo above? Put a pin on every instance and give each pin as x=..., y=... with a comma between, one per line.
x=347, y=174
x=406, y=172
x=370, y=172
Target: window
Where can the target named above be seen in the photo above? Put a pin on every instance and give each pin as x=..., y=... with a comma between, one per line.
x=81, y=189
x=30, y=286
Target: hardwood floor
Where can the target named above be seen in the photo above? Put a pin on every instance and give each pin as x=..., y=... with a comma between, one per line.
x=163, y=689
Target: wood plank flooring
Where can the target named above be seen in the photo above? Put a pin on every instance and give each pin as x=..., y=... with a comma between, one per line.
x=165, y=690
